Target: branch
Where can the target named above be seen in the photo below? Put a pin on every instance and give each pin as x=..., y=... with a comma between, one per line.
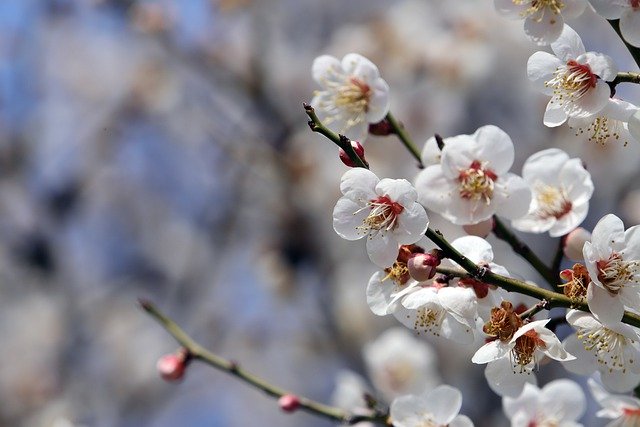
x=404, y=137
x=502, y=232
x=197, y=352
x=635, y=52
x=340, y=140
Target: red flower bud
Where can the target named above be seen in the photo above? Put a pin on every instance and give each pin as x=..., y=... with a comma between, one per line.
x=172, y=366
x=423, y=266
x=358, y=148
x=289, y=402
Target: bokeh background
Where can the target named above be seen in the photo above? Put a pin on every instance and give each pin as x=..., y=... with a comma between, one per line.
x=159, y=149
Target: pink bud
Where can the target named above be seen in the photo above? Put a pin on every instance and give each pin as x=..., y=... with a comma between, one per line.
x=423, y=266
x=382, y=128
x=171, y=367
x=481, y=229
x=573, y=243
x=358, y=148
x=566, y=274
x=289, y=402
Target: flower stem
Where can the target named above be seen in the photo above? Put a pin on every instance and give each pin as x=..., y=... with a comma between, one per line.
x=340, y=140
x=635, y=52
x=404, y=137
x=504, y=233
x=197, y=352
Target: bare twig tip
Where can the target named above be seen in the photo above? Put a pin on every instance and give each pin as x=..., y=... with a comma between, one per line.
x=145, y=304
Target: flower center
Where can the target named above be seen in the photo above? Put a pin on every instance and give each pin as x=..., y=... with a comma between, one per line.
x=382, y=217
x=397, y=374
x=609, y=346
x=577, y=281
x=631, y=412
x=399, y=273
x=571, y=82
x=602, y=130
x=345, y=99
x=537, y=8
x=477, y=182
x=429, y=319
x=503, y=322
x=615, y=273
x=552, y=201
x=524, y=351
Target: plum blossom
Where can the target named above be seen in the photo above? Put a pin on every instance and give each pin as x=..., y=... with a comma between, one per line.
x=449, y=312
x=611, y=350
x=575, y=79
x=353, y=94
x=543, y=20
x=612, y=124
x=627, y=11
x=399, y=364
x=612, y=258
x=472, y=182
x=437, y=408
x=385, y=211
x=561, y=190
x=623, y=410
x=516, y=350
x=349, y=393
x=560, y=403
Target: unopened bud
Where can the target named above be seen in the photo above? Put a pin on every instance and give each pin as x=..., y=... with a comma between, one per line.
x=289, y=402
x=567, y=274
x=171, y=366
x=382, y=128
x=481, y=229
x=573, y=243
x=358, y=148
x=634, y=125
x=423, y=266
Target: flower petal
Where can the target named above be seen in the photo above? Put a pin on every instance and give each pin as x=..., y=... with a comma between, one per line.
x=568, y=45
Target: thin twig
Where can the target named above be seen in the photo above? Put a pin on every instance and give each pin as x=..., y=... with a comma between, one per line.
x=196, y=352
x=399, y=130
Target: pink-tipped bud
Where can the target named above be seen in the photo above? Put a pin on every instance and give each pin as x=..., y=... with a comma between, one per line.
x=567, y=274
x=358, y=148
x=289, y=402
x=481, y=229
x=382, y=128
x=423, y=266
x=171, y=366
x=573, y=243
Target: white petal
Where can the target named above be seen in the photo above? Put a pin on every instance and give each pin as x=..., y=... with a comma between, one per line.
x=554, y=115
x=325, y=67
x=630, y=26
x=546, y=30
x=573, y=8
x=431, y=153
x=358, y=66
x=461, y=421
x=382, y=249
x=526, y=403
x=444, y=402
x=407, y=411
x=577, y=180
x=507, y=380
x=619, y=381
x=544, y=166
x=458, y=154
x=593, y=101
x=563, y=398
x=514, y=198
x=608, y=9
x=600, y=64
x=540, y=69
x=434, y=189
x=412, y=224
x=379, y=294
x=359, y=184
x=509, y=9
x=379, y=101
x=475, y=248
x=568, y=46
x=490, y=352
x=608, y=233
x=398, y=190
x=607, y=308
x=585, y=363
x=569, y=221
x=631, y=249
x=496, y=147
x=347, y=217
x=421, y=298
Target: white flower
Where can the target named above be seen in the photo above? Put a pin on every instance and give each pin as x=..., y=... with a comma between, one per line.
x=612, y=124
x=385, y=211
x=611, y=350
x=510, y=363
x=612, y=259
x=480, y=252
x=575, y=79
x=437, y=408
x=633, y=125
x=559, y=404
x=449, y=312
x=353, y=94
x=472, y=181
x=349, y=393
x=543, y=19
x=398, y=364
x=561, y=189
x=628, y=11
x=624, y=410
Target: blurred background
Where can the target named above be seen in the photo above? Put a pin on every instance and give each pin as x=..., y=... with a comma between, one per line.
x=159, y=149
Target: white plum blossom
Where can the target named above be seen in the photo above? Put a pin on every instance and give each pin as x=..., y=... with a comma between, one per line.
x=472, y=182
x=575, y=79
x=512, y=357
x=399, y=364
x=611, y=350
x=612, y=258
x=449, y=312
x=384, y=211
x=627, y=11
x=560, y=403
x=543, y=19
x=612, y=124
x=349, y=393
x=561, y=190
x=353, y=94
x=480, y=252
x=437, y=408
x=623, y=410
x=633, y=125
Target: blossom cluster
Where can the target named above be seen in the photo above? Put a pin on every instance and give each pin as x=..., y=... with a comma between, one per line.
x=468, y=181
